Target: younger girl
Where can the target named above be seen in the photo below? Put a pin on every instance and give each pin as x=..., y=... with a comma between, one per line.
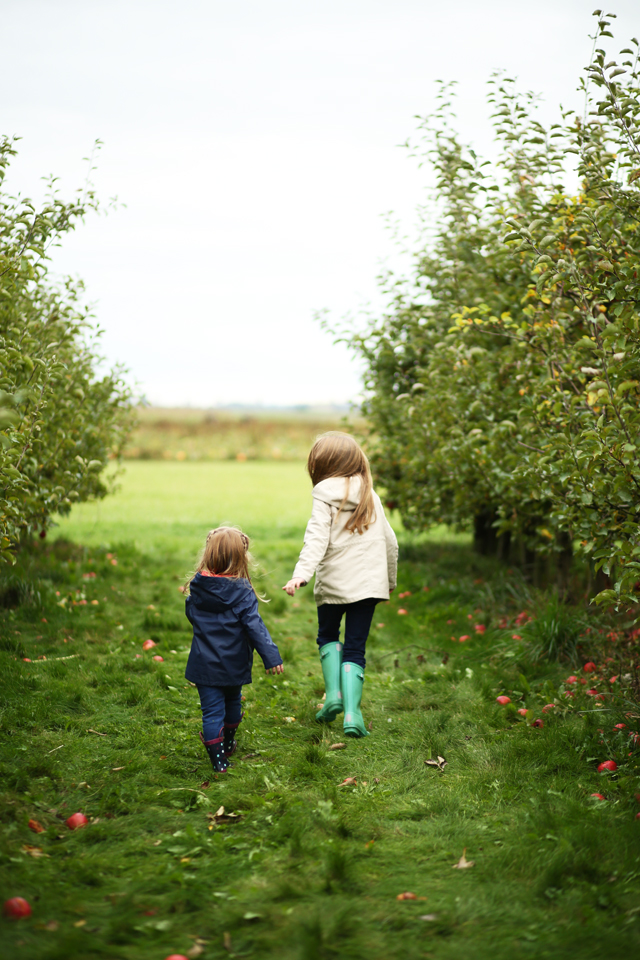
x=353, y=552
x=223, y=609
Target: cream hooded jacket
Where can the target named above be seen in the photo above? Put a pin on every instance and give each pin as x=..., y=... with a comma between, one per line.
x=348, y=566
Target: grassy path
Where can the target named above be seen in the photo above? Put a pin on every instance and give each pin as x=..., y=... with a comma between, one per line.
x=310, y=869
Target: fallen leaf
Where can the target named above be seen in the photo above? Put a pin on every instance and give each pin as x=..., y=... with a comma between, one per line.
x=249, y=756
x=369, y=844
x=289, y=719
x=463, y=863
x=349, y=782
x=116, y=768
x=221, y=817
x=51, y=925
x=376, y=780
x=35, y=826
x=204, y=785
x=226, y=941
x=406, y=896
x=157, y=843
x=428, y=916
x=440, y=763
x=97, y=732
x=337, y=746
x=80, y=923
x=370, y=727
x=195, y=951
x=185, y=859
x=34, y=851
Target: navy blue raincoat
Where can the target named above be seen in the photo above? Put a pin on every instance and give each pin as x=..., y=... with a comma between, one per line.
x=227, y=628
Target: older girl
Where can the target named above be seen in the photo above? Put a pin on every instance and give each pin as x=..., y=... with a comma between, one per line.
x=353, y=552
x=222, y=606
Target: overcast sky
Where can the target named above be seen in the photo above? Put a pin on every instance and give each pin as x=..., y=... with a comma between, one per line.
x=255, y=145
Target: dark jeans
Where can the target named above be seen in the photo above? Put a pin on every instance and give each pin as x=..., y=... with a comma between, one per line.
x=220, y=705
x=358, y=617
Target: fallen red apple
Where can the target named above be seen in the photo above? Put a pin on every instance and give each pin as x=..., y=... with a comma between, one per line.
x=503, y=700
x=17, y=908
x=538, y=723
x=637, y=816
x=571, y=679
x=402, y=611
x=176, y=956
x=464, y=638
x=610, y=765
x=406, y=896
x=620, y=726
x=158, y=657
x=592, y=693
x=547, y=707
x=148, y=644
x=77, y=820
x=516, y=636
x=523, y=711
x=598, y=796
x=480, y=628
x=589, y=667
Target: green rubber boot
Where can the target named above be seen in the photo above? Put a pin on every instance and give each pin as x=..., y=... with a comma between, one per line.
x=331, y=661
x=352, y=683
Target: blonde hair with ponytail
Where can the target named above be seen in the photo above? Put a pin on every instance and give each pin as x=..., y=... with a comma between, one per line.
x=339, y=455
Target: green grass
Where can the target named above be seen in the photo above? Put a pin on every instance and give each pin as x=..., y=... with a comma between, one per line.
x=312, y=869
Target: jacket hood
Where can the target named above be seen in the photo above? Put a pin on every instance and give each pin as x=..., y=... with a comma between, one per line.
x=333, y=489
x=223, y=589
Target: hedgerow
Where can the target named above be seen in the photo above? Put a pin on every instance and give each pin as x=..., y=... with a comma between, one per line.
x=60, y=419
x=503, y=382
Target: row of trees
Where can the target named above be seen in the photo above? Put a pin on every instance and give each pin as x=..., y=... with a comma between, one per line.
x=503, y=382
x=60, y=420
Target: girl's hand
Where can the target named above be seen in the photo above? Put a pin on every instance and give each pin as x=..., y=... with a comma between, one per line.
x=278, y=669
x=294, y=585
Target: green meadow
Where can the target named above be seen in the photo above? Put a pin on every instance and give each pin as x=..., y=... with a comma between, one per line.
x=326, y=847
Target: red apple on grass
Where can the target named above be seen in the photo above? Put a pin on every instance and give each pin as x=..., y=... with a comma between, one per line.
x=538, y=723
x=17, y=908
x=148, y=644
x=547, y=707
x=158, y=658
x=503, y=700
x=598, y=796
x=76, y=821
x=176, y=956
x=589, y=667
x=523, y=711
x=608, y=765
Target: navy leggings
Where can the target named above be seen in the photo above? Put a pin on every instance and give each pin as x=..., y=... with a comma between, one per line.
x=358, y=617
x=220, y=705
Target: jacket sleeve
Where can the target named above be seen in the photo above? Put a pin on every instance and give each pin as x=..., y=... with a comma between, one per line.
x=187, y=609
x=247, y=612
x=392, y=553
x=316, y=541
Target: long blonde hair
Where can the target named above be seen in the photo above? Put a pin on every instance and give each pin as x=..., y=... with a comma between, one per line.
x=339, y=455
x=225, y=553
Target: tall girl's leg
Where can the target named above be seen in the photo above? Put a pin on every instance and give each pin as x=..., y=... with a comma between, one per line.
x=329, y=617
x=356, y=630
x=357, y=624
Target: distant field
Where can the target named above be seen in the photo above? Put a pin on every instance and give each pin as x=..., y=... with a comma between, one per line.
x=172, y=433
x=172, y=505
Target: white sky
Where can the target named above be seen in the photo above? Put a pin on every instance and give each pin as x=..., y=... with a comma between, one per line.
x=254, y=144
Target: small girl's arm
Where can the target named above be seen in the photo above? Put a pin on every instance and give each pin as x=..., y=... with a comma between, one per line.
x=247, y=613
x=316, y=541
